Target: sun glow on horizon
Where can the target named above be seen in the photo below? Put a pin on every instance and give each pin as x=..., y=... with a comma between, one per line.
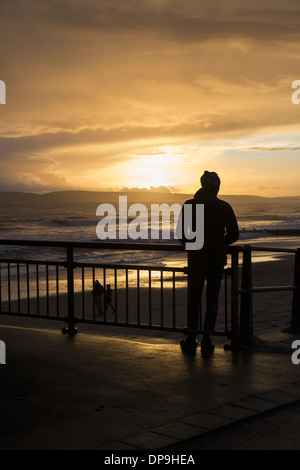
x=153, y=169
x=149, y=172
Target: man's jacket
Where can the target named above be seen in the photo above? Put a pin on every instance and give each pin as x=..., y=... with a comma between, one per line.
x=220, y=228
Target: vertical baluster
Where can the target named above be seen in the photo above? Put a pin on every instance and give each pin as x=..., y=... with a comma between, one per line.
x=138, y=297
x=18, y=287
x=150, y=300
x=8, y=287
x=0, y=287
x=37, y=289
x=126, y=271
x=93, y=280
x=161, y=298
x=28, y=288
x=47, y=289
x=82, y=293
x=226, y=300
x=104, y=294
x=116, y=297
x=57, y=291
x=174, y=300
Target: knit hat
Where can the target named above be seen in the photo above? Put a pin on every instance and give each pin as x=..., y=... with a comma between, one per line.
x=210, y=180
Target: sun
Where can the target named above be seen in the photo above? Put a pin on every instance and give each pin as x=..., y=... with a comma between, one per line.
x=148, y=177
x=150, y=170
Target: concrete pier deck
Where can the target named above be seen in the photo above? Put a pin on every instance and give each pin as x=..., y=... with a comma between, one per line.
x=114, y=388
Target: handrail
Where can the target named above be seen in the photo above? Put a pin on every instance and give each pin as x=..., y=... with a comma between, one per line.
x=99, y=245
x=273, y=250
x=120, y=245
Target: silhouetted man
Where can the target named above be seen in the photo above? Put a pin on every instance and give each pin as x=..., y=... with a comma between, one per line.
x=207, y=263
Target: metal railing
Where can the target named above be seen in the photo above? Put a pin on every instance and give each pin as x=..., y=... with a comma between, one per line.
x=247, y=290
x=61, y=289
x=144, y=296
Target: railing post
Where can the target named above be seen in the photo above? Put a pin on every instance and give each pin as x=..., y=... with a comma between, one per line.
x=234, y=300
x=295, y=324
x=70, y=319
x=246, y=313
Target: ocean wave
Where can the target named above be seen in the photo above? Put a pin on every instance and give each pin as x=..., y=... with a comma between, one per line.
x=252, y=234
x=69, y=223
x=269, y=233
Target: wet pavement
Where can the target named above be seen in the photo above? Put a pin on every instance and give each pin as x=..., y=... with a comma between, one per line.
x=114, y=388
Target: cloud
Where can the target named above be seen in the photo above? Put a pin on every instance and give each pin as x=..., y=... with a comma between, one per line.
x=155, y=189
x=30, y=173
x=192, y=20
x=92, y=82
x=273, y=149
x=269, y=188
x=174, y=20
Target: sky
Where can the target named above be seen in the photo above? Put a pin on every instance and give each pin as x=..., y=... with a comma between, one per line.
x=114, y=94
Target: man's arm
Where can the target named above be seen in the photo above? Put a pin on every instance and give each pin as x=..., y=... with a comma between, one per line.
x=232, y=229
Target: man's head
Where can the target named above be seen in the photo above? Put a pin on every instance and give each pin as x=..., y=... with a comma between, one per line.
x=210, y=182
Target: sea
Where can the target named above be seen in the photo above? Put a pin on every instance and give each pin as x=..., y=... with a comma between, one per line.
x=66, y=216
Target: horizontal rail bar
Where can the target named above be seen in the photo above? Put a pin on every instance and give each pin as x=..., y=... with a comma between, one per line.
x=97, y=245
x=273, y=250
x=136, y=267
x=274, y=289
x=119, y=245
x=31, y=261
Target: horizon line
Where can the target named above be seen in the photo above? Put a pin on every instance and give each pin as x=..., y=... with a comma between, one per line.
x=143, y=190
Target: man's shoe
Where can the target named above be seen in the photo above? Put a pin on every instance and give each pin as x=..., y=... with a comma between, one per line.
x=189, y=344
x=207, y=346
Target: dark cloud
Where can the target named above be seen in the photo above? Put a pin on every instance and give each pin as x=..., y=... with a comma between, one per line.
x=30, y=173
x=190, y=20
